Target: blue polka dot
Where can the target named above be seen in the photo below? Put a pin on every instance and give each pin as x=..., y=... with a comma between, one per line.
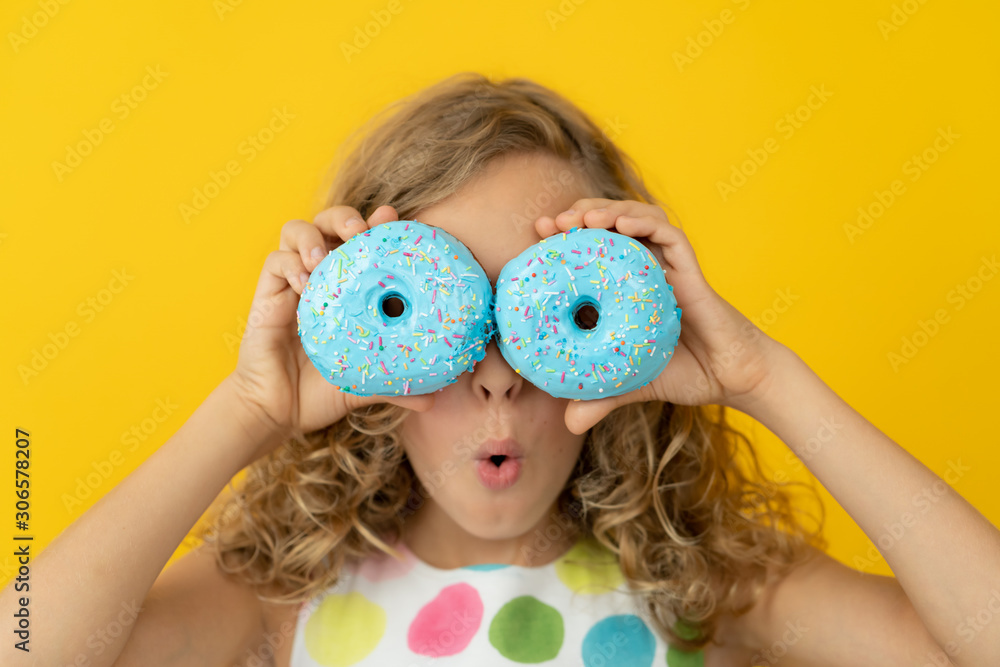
x=486, y=567
x=619, y=640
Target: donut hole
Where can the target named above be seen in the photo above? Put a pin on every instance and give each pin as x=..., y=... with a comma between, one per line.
x=586, y=315
x=392, y=305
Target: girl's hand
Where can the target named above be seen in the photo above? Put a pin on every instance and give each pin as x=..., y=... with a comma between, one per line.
x=721, y=358
x=273, y=376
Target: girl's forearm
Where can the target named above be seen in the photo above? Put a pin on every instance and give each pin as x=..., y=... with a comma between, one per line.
x=95, y=575
x=943, y=552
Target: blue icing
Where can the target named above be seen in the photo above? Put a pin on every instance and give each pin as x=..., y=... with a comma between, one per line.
x=486, y=567
x=622, y=640
x=367, y=308
x=594, y=357
x=353, y=334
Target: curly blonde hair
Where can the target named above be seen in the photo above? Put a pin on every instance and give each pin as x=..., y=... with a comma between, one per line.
x=658, y=484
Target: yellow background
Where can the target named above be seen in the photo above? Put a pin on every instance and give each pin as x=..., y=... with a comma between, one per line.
x=171, y=333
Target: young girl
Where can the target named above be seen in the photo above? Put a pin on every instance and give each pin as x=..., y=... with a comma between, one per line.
x=640, y=531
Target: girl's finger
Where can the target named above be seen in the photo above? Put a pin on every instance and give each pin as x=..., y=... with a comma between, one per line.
x=318, y=394
x=601, y=213
x=573, y=216
x=277, y=295
x=677, y=250
x=336, y=222
x=282, y=269
x=546, y=226
x=384, y=213
x=583, y=415
x=340, y=222
x=305, y=239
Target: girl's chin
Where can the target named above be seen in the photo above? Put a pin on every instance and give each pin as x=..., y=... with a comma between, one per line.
x=496, y=522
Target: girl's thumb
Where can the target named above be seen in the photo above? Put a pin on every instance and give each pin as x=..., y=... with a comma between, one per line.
x=583, y=415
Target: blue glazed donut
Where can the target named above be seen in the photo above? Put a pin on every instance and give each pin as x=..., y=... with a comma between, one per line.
x=402, y=308
x=586, y=314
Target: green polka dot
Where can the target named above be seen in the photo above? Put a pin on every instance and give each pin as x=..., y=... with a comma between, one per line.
x=344, y=629
x=679, y=658
x=589, y=568
x=527, y=630
x=686, y=630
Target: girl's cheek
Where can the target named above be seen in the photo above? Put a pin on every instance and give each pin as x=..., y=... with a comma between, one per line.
x=463, y=452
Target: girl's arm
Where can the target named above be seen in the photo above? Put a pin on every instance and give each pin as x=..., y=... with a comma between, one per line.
x=944, y=553
x=89, y=584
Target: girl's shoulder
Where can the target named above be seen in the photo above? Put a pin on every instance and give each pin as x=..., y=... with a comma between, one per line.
x=194, y=609
x=275, y=643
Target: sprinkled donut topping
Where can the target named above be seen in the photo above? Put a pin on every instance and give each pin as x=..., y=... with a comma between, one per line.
x=402, y=308
x=598, y=319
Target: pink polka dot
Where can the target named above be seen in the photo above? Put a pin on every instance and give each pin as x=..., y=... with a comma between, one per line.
x=447, y=624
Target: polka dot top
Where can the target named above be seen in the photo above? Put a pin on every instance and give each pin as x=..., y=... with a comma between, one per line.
x=573, y=611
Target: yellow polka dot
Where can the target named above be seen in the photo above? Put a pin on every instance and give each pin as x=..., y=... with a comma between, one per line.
x=344, y=629
x=589, y=568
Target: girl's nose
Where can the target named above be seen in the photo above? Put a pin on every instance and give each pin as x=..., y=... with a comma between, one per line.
x=493, y=378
